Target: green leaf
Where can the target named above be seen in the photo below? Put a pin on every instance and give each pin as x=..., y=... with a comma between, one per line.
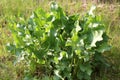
x=56, y=60
x=89, y=70
x=54, y=6
x=97, y=36
x=57, y=74
x=46, y=78
x=78, y=52
x=103, y=47
x=68, y=42
x=91, y=10
x=82, y=67
x=63, y=54
x=10, y=47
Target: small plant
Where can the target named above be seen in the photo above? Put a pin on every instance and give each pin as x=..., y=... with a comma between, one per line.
x=67, y=47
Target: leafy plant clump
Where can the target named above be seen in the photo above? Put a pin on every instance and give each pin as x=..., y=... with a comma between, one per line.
x=67, y=47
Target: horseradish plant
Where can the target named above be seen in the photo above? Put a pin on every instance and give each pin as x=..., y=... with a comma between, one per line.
x=68, y=47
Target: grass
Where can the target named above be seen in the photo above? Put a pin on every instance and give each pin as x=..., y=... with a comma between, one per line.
x=110, y=15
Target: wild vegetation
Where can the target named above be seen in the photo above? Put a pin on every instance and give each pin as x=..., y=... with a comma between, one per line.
x=18, y=12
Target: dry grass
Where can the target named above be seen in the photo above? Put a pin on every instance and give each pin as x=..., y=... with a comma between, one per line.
x=110, y=14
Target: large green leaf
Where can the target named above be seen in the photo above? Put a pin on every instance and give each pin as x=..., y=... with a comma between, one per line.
x=97, y=36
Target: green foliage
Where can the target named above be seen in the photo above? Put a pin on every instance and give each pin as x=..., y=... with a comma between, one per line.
x=67, y=47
